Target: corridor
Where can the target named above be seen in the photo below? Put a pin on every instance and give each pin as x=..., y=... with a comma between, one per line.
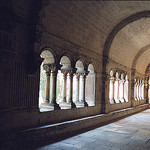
x=131, y=133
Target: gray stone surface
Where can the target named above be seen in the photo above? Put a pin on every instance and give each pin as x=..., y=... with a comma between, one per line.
x=131, y=133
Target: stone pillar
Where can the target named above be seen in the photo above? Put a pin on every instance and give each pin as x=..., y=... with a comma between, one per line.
x=77, y=87
x=111, y=87
x=64, y=85
x=46, y=67
x=54, y=71
x=121, y=89
x=137, y=89
x=71, y=89
x=111, y=90
x=117, y=88
x=142, y=89
x=133, y=82
x=148, y=99
x=83, y=80
x=126, y=89
x=146, y=89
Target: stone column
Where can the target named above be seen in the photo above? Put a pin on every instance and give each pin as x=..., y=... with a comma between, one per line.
x=46, y=67
x=117, y=88
x=64, y=85
x=83, y=80
x=139, y=89
x=111, y=90
x=126, y=90
x=133, y=82
x=70, y=100
x=135, y=90
x=77, y=87
x=121, y=89
x=142, y=89
x=137, y=94
x=146, y=89
x=54, y=71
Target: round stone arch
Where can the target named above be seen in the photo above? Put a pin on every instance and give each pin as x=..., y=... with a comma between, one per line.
x=140, y=54
x=119, y=26
x=93, y=65
x=141, y=51
x=50, y=54
x=80, y=64
x=90, y=87
x=108, y=44
x=66, y=59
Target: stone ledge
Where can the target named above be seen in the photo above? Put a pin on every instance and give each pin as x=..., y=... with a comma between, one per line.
x=34, y=136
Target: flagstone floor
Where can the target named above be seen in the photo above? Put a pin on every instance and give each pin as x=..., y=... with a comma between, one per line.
x=131, y=133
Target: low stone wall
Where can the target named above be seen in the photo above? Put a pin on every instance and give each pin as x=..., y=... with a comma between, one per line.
x=34, y=136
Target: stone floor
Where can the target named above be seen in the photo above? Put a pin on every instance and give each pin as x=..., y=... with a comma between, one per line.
x=131, y=133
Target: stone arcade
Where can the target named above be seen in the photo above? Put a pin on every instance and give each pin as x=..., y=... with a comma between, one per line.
x=70, y=66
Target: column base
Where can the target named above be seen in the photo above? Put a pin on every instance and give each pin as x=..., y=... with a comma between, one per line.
x=112, y=101
x=71, y=104
x=122, y=100
x=65, y=105
x=49, y=107
x=117, y=101
x=81, y=104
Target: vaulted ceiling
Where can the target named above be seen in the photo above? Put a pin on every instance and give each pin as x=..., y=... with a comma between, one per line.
x=89, y=23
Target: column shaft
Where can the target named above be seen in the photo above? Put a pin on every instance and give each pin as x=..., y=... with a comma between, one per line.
x=64, y=87
x=77, y=88
x=47, y=87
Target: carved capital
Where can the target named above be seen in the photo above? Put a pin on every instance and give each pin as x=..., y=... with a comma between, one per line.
x=64, y=72
x=84, y=74
x=46, y=67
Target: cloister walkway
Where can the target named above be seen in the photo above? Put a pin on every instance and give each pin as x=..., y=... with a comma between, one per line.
x=131, y=133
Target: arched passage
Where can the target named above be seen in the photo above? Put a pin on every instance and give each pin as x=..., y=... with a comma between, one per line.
x=126, y=48
x=45, y=79
x=64, y=83
x=90, y=86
